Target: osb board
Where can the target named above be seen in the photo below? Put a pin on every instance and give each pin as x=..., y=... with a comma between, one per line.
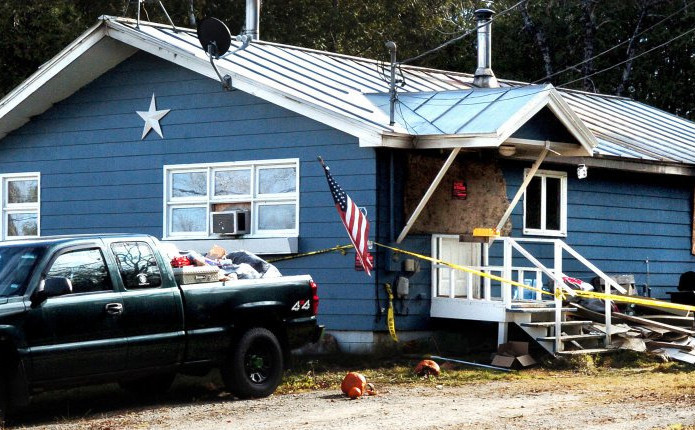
x=484, y=207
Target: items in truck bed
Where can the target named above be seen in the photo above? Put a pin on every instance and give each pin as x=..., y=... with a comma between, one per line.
x=187, y=275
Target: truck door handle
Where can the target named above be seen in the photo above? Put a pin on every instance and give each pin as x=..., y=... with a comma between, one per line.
x=114, y=308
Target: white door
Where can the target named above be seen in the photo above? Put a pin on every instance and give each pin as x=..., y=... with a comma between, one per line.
x=448, y=249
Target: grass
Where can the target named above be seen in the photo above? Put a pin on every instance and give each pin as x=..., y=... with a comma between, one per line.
x=327, y=372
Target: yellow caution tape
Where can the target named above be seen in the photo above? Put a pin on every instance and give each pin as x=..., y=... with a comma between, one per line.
x=558, y=291
x=390, y=320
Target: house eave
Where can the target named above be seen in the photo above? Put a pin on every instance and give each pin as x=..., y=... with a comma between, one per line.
x=84, y=60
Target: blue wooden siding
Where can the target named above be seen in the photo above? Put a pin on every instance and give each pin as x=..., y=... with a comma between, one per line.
x=98, y=176
x=619, y=220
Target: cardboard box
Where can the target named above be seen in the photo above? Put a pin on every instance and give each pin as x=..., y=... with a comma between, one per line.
x=513, y=355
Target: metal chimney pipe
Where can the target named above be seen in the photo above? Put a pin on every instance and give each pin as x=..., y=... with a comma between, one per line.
x=253, y=17
x=484, y=78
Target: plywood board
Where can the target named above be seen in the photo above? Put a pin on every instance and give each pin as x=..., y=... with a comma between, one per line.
x=444, y=214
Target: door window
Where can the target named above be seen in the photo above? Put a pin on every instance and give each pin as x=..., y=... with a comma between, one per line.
x=137, y=264
x=85, y=269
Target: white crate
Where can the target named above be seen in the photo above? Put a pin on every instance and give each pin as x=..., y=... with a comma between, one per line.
x=196, y=274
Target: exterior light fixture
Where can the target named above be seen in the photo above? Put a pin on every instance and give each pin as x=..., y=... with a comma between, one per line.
x=582, y=171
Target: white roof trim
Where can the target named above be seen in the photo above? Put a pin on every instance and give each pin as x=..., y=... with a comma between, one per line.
x=85, y=59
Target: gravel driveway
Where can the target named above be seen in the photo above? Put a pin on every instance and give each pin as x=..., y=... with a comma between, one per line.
x=632, y=401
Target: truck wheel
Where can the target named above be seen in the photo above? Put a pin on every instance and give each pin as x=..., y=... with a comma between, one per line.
x=149, y=386
x=254, y=368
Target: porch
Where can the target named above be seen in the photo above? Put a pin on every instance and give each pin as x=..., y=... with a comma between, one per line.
x=485, y=296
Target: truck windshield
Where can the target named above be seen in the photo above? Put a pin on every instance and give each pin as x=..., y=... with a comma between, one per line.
x=16, y=265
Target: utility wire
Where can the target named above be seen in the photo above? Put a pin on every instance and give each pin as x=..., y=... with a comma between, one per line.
x=629, y=59
x=574, y=66
x=456, y=39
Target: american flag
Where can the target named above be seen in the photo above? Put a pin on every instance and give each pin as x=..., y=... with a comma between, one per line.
x=354, y=220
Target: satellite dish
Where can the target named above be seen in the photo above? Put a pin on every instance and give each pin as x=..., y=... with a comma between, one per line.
x=214, y=36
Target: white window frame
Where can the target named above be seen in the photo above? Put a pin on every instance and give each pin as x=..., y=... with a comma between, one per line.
x=254, y=199
x=543, y=231
x=14, y=208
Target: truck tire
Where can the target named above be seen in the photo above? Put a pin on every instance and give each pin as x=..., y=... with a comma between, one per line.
x=254, y=368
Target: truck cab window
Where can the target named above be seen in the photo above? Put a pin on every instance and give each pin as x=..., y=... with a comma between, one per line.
x=137, y=264
x=85, y=269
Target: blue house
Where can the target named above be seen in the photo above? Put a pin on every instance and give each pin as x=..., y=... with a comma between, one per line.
x=128, y=129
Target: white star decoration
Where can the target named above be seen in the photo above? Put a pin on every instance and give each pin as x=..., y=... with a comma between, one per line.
x=152, y=117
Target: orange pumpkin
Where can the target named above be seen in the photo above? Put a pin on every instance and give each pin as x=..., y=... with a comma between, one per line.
x=351, y=380
x=427, y=368
x=354, y=393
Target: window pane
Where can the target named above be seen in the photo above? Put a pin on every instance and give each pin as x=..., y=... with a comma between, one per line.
x=22, y=224
x=189, y=184
x=85, y=270
x=188, y=220
x=232, y=182
x=24, y=191
x=276, y=217
x=552, y=203
x=137, y=264
x=533, y=204
x=276, y=181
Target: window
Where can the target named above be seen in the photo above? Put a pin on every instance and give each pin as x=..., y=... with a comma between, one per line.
x=20, y=205
x=545, y=204
x=268, y=189
x=85, y=269
x=137, y=264
x=446, y=279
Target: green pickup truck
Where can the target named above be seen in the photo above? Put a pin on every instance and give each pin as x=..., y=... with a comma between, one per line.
x=103, y=308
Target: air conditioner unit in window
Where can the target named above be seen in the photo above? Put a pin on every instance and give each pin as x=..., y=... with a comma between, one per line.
x=231, y=222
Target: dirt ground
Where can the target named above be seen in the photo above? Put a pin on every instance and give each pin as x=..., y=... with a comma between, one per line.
x=540, y=399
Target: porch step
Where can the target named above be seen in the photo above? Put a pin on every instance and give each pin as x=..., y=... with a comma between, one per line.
x=538, y=310
x=552, y=323
x=567, y=337
x=587, y=351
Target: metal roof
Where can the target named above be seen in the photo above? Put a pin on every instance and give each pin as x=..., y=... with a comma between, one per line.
x=351, y=93
x=432, y=101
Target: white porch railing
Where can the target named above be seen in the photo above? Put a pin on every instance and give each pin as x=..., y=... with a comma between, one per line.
x=475, y=288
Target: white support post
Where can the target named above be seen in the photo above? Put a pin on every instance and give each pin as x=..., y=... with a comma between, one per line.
x=452, y=283
x=539, y=284
x=469, y=286
x=557, y=258
x=520, y=279
x=522, y=189
x=507, y=274
x=608, y=316
x=502, y=333
x=486, y=263
x=428, y=194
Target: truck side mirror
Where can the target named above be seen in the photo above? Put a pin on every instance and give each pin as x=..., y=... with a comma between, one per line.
x=51, y=287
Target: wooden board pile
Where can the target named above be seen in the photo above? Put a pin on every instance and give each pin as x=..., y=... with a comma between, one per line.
x=668, y=335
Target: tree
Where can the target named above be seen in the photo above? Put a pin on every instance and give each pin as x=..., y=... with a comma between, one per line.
x=554, y=41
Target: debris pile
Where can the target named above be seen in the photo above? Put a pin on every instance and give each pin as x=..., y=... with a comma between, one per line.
x=670, y=334
x=193, y=267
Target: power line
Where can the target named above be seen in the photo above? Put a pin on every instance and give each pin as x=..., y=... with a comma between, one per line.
x=629, y=59
x=456, y=39
x=574, y=66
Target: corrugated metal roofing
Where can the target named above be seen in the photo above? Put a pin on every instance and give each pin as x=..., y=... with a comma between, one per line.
x=355, y=90
x=460, y=112
x=359, y=87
